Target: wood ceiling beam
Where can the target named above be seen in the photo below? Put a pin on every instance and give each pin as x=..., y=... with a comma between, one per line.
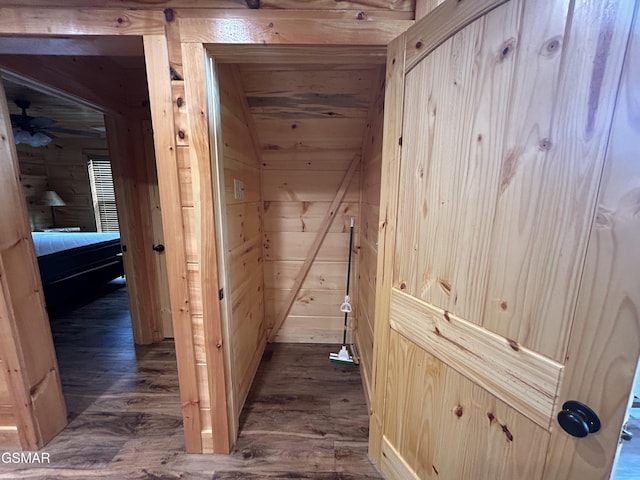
x=287, y=27
x=109, y=46
x=300, y=55
x=95, y=82
x=80, y=21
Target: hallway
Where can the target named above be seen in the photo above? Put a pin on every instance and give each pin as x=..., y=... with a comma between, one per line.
x=305, y=417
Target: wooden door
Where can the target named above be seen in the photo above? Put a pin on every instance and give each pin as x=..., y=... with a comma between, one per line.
x=505, y=274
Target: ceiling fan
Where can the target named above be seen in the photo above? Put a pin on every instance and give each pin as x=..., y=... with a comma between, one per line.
x=37, y=131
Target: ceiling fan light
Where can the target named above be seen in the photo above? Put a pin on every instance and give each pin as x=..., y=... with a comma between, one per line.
x=37, y=139
x=20, y=136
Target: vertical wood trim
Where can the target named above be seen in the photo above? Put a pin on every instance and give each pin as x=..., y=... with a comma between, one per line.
x=313, y=251
x=160, y=96
x=367, y=153
x=131, y=185
x=217, y=153
x=172, y=28
x=391, y=155
x=161, y=286
x=195, y=69
x=26, y=345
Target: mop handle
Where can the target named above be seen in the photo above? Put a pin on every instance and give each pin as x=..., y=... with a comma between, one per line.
x=347, y=310
x=350, y=252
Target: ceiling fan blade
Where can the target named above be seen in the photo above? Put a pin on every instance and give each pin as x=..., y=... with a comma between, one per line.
x=41, y=122
x=72, y=132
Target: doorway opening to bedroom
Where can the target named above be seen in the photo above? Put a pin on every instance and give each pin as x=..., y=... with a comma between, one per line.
x=107, y=305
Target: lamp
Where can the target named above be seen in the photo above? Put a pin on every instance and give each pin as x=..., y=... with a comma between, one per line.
x=51, y=199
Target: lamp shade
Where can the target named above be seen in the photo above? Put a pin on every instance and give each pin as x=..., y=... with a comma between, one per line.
x=51, y=199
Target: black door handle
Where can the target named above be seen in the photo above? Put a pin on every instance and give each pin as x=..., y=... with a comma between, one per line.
x=577, y=419
x=159, y=247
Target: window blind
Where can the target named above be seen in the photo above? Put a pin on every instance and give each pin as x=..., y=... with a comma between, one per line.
x=104, y=199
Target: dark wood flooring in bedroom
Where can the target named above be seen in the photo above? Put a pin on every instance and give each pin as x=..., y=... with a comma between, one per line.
x=305, y=417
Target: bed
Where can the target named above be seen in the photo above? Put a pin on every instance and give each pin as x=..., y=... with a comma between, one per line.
x=73, y=264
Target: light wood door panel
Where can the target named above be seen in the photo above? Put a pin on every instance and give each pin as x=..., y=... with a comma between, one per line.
x=486, y=227
x=605, y=344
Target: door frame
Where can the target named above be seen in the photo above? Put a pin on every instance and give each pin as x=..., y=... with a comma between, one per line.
x=235, y=55
x=125, y=143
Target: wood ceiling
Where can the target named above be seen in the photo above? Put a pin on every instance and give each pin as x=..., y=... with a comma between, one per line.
x=79, y=62
x=67, y=114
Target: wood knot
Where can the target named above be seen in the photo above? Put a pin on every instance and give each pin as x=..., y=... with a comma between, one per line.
x=418, y=45
x=403, y=286
x=552, y=46
x=361, y=16
x=179, y=102
x=446, y=316
x=507, y=48
x=169, y=15
x=459, y=411
x=181, y=134
x=491, y=417
x=514, y=345
x=503, y=306
x=545, y=144
x=507, y=433
x=445, y=285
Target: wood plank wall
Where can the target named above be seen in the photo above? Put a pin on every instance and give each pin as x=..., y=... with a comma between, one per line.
x=60, y=166
x=168, y=27
x=369, y=213
x=310, y=121
x=245, y=262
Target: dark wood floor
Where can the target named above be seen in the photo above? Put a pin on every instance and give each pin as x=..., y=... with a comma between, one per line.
x=305, y=417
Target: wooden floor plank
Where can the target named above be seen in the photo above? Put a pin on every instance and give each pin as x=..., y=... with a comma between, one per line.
x=304, y=418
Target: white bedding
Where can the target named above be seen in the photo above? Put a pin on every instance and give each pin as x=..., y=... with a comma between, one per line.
x=52, y=242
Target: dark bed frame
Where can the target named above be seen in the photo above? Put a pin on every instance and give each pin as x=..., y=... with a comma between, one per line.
x=72, y=273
